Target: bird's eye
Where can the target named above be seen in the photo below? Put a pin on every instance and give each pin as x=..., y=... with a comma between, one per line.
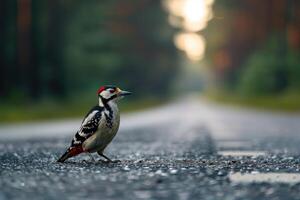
x=112, y=91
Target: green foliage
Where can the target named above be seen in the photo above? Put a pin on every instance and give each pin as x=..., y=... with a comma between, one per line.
x=270, y=70
x=130, y=49
x=293, y=68
x=68, y=46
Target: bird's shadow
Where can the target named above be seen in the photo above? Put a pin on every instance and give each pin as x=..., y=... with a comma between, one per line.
x=99, y=162
x=133, y=162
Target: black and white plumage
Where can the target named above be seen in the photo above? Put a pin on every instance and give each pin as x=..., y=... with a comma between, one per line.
x=89, y=126
x=99, y=126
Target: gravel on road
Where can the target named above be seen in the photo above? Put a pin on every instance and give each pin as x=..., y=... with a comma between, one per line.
x=171, y=160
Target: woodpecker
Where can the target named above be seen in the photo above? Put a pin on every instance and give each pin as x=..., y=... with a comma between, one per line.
x=99, y=126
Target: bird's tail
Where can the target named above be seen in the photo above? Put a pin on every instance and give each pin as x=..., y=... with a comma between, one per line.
x=72, y=151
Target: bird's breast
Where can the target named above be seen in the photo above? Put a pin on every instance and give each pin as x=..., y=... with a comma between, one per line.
x=105, y=133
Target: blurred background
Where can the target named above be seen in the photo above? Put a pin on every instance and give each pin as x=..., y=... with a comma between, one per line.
x=54, y=54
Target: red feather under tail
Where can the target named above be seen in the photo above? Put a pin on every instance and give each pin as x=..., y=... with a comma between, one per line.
x=71, y=152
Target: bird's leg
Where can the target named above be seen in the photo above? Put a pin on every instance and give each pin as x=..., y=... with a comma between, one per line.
x=92, y=158
x=107, y=158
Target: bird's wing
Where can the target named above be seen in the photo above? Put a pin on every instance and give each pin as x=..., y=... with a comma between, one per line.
x=88, y=127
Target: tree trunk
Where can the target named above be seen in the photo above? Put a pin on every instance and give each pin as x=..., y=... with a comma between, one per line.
x=55, y=47
x=24, y=44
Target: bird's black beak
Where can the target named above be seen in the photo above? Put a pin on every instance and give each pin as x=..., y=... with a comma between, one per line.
x=123, y=93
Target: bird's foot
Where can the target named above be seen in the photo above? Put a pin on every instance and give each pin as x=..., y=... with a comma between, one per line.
x=103, y=161
x=115, y=161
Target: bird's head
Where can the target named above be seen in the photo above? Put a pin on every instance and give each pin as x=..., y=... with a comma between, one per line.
x=111, y=93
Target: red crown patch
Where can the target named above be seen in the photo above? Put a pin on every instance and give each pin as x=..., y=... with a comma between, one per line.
x=101, y=89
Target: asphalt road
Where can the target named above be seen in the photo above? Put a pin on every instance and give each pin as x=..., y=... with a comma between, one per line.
x=189, y=149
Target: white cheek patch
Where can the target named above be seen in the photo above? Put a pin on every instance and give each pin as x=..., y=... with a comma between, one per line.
x=106, y=94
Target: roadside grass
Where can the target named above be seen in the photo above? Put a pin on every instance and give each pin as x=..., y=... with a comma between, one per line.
x=287, y=102
x=50, y=110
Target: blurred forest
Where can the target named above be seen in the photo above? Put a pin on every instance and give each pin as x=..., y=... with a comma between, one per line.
x=253, y=47
x=54, y=54
x=67, y=48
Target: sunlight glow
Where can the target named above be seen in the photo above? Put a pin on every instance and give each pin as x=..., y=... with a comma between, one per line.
x=192, y=44
x=191, y=16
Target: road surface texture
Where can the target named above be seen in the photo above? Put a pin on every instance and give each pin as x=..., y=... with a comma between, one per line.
x=189, y=149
